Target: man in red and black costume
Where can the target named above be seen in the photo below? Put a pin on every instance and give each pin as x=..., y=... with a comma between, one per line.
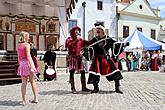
x=74, y=44
x=102, y=64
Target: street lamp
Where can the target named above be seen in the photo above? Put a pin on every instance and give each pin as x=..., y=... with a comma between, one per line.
x=83, y=29
x=84, y=5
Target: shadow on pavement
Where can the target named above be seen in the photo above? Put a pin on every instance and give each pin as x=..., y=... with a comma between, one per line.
x=64, y=92
x=106, y=92
x=10, y=103
x=55, y=92
x=61, y=92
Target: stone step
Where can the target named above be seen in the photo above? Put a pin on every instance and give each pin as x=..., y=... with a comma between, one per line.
x=7, y=66
x=7, y=79
x=2, y=62
x=8, y=75
x=4, y=71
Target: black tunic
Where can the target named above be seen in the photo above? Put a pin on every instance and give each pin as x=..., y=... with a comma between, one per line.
x=102, y=63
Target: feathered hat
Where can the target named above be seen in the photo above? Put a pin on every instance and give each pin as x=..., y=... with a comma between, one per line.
x=73, y=29
x=99, y=25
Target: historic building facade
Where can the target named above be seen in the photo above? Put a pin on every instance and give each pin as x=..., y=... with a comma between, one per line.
x=43, y=32
x=120, y=17
x=103, y=11
x=162, y=30
x=41, y=18
x=44, y=20
x=137, y=14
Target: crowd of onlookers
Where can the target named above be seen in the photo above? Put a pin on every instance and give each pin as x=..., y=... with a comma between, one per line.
x=148, y=61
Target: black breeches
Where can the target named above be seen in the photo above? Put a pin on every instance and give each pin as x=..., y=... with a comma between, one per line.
x=117, y=83
x=72, y=74
x=82, y=74
x=93, y=79
x=46, y=67
x=73, y=71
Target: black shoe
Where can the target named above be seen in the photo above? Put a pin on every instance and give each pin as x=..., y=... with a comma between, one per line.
x=95, y=91
x=96, y=88
x=86, y=90
x=33, y=101
x=119, y=91
x=73, y=91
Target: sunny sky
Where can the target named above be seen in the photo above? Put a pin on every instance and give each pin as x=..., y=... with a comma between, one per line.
x=160, y=4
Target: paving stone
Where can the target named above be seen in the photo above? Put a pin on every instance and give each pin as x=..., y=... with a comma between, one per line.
x=142, y=91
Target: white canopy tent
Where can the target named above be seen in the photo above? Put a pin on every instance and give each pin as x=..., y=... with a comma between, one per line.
x=138, y=40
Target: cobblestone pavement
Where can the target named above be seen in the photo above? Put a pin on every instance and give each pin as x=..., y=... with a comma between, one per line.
x=142, y=91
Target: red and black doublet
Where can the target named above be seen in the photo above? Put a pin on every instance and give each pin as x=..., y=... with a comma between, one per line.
x=102, y=63
x=74, y=44
x=74, y=59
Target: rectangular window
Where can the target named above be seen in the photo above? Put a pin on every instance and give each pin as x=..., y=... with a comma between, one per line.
x=125, y=31
x=1, y=42
x=153, y=33
x=99, y=5
x=125, y=1
x=72, y=23
x=139, y=29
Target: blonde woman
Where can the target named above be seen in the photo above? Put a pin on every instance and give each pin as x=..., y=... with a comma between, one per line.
x=26, y=67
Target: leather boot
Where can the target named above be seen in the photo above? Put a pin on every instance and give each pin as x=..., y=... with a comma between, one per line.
x=55, y=78
x=96, y=88
x=83, y=83
x=117, y=89
x=44, y=76
x=72, y=86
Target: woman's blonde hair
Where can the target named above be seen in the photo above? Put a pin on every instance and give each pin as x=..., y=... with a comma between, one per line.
x=22, y=36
